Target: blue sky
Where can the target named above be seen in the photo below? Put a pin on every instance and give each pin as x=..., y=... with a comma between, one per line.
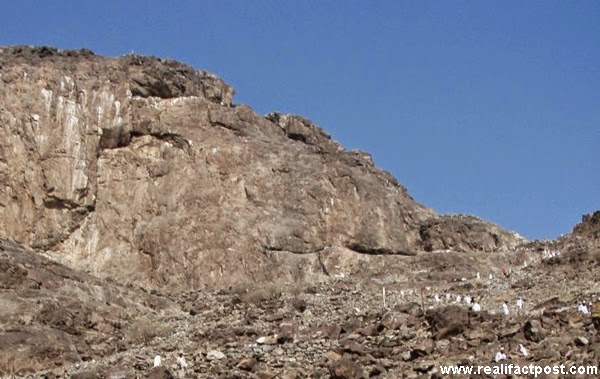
x=481, y=107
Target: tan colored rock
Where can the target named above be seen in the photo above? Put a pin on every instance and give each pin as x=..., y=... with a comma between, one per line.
x=144, y=170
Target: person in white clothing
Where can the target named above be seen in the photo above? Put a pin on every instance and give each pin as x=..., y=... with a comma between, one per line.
x=181, y=361
x=468, y=300
x=505, y=310
x=157, y=361
x=519, y=303
x=523, y=350
x=500, y=356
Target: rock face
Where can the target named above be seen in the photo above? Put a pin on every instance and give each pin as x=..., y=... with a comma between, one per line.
x=582, y=245
x=465, y=233
x=588, y=229
x=145, y=170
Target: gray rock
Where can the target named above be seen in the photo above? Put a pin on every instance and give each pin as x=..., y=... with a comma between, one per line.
x=213, y=355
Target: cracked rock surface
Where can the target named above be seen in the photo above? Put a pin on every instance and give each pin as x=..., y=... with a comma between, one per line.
x=144, y=170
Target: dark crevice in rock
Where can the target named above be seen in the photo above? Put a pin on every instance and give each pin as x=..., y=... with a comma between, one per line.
x=237, y=131
x=297, y=137
x=300, y=129
x=118, y=138
x=279, y=249
x=322, y=265
x=371, y=250
x=53, y=202
x=355, y=247
x=114, y=138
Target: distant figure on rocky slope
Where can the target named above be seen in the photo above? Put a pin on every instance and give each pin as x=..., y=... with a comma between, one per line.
x=519, y=303
x=500, y=356
x=181, y=361
x=583, y=309
x=157, y=361
x=504, y=309
x=523, y=350
x=475, y=307
x=468, y=300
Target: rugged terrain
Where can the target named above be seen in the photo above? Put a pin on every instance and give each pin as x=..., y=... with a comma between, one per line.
x=145, y=170
x=57, y=323
x=143, y=212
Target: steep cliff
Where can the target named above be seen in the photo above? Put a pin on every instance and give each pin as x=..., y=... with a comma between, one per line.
x=145, y=170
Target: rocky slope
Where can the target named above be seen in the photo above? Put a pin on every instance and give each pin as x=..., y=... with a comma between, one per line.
x=339, y=328
x=50, y=314
x=144, y=170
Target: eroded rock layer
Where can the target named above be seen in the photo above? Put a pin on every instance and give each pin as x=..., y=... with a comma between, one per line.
x=145, y=170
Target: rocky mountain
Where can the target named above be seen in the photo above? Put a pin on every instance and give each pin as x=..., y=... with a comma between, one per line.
x=143, y=213
x=146, y=171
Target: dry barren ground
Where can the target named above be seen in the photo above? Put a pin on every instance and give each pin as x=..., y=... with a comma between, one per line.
x=343, y=327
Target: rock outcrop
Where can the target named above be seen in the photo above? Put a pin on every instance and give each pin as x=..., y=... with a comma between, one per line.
x=588, y=229
x=582, y=245
x=144, y=170
x=466, y=233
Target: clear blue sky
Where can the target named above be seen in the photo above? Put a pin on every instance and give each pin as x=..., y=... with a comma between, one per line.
x=483, y=107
